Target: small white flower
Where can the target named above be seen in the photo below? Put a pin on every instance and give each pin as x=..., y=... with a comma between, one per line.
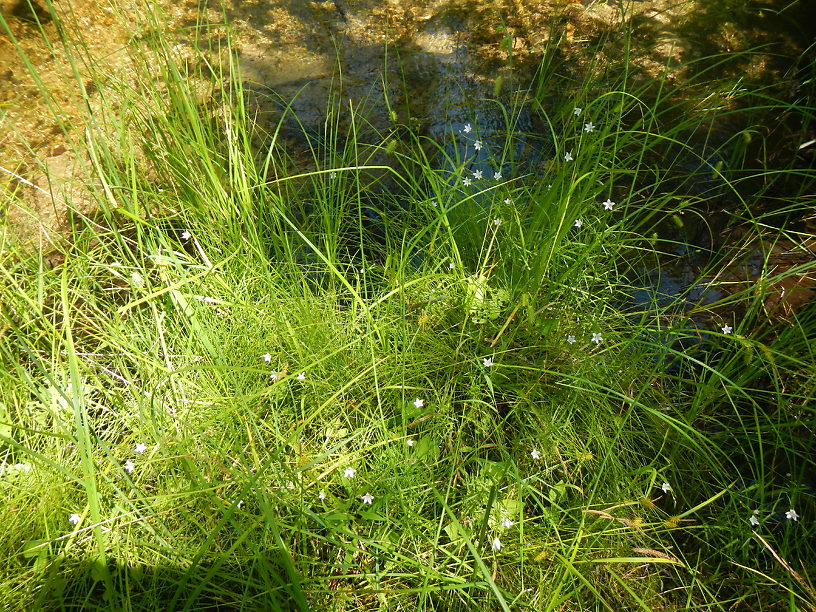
x=477, y=145
x=487, y=362
x=74, y=518
x=140, y=448
x=185, y=235
x=434, y=204
x=666, y=487
x=754, y=521
x=477, y=174
x=129, y=466
x=608, y=204
x=597, y=338
x=419, y=403
x=274, y=375
x=588, y=127
x=571, y=339
x=508, y=201
x=467, y=128
x=267, y=357
x=496, y=544
x=240, y=504
x=727, y=329
x=568, y=156
x=368, y=498
x=321, y=496
x=301, y=376
x=349, y=472
x=466, y=181
x=333, y=175
x=410, y=442
x=791, y=515
x=497, y=175
x=497, y=221
x=507, y=523
x=451, y=265
x=578, y=223
x=577, y=111
x=535, y=454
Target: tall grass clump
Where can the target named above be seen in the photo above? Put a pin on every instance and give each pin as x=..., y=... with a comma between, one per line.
x=388, y=372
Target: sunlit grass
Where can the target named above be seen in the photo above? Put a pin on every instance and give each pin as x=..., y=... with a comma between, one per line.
x=338, y=382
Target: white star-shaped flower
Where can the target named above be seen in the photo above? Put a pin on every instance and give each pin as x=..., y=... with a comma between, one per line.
x=434, y=204
x=588, y=127
x=487, y=362
x=666, y=487
x=410, y=442
x=368, y=498
x=508, y=201
x=240, y=504
x=185, y=235
x=274, y=375
x=129, y=466
x=791, y=515
x=467, y=128
x=597, y=338
x=74, y=518
x=535, y=454
x=497, y=221
x=727, y=329
x=754, y=521
x=301, y=376
x=451, y=265
x=507, y=523
x=477, y=145
x=140, y=448
x=609, y=204
x=568, y=156
x=333, y=175
x=419, y=403
x=349, y=472
x=496, y=544
x=321, y=496
x=577, y=111
x=477, y=174
x=497, y=175
x=571, y=339
x=466, y=181
x=578, y=223
x=267, y=357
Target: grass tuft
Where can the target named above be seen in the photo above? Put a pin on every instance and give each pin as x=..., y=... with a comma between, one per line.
x=376, y=369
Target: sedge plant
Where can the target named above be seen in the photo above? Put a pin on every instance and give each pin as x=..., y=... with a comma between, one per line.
x=369, y=374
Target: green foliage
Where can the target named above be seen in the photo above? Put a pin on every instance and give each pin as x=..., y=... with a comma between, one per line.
x=236, y=329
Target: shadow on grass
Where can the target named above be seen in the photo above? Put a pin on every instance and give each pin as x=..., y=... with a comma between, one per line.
x=258, y=584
